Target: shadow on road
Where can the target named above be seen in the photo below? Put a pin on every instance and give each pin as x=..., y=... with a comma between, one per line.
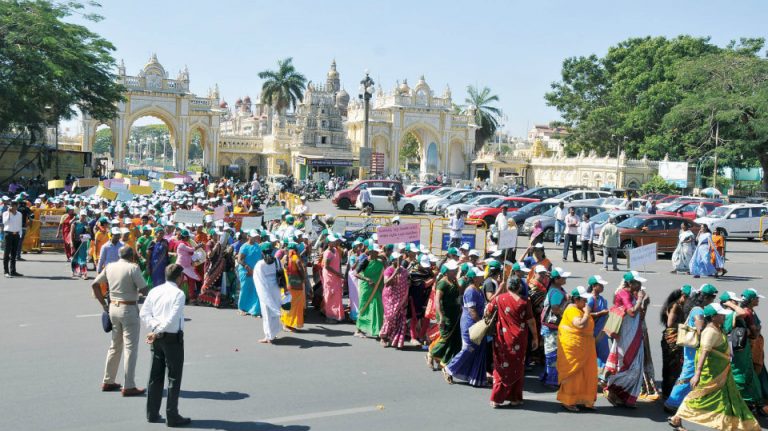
x=652, y=411
x=306, y=344
x=327, y=332
x=50, y=278
x=216, y=424
x=214, y=395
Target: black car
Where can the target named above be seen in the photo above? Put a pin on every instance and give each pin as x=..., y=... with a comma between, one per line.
x=530, y=210
x=543, y=192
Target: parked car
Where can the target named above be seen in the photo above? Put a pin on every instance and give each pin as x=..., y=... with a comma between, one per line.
x=488, y=213
x=621, y=204
x=548, y=219
x=688, y=208
x=738, y=220
x=344, y=199
x=666, y=201
x=431, y=205
x=645, y=229
x=380, y=201
x=460, y=198
x=577, y=195
x=421, y=200
x=469, y=204
x=542, y=193
x=420, y=190
x=619, y=215
x=654, y=196
x=529, y=210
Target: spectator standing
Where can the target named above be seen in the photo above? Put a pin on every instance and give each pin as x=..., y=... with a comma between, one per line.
x=456, y=224
x=12, y=225
x=586, y=234
x=609, y=239
x=571, y=233
x=559, y=223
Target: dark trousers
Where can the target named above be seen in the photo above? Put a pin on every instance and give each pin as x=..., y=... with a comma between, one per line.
x=11, y=249
x=455, y=242
x=18, y=247
x=586, y=246
x=570, y=241
x=167, y=352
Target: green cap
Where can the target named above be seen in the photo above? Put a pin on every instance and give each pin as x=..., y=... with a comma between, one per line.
x=289, y=219
x=494, y=264
x=708, y=289
x=184, y=233
x=471, y=273
x=751, y=294
x=709, y=311
x=453, y=251
x=464, y=267
x=266, y=247
x=159, y=229
x=686, y=289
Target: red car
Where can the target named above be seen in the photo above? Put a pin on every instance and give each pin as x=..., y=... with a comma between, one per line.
x=489, y=213
x=688, y=208
x=346, y=198
x=666, y=199
x=421, y=191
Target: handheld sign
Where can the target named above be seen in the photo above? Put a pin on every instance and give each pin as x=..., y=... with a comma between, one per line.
x=272, y=213
x=249, y=223
x=87, y=182
x=220, y=212
x=106, y=193
x=189, y=217
x=642, y=256
x=140, y=190
x=407, y=232
x=507, y=239
x=55, y=184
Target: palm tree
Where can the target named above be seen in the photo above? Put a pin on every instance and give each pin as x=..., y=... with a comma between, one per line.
x=284, y=87
x=486, y=116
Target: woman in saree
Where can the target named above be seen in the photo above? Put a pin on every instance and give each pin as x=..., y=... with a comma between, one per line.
x=625, y=364
x=598, y=308
x=576, y=359
x=747, y=380
x=333, y=282
x=751, y=299
x=694, y=310
x=714, y=401
x=672, y=354
x=554, y=305
x=469, y=364
x=80, y=247
x=354, y=297
x=158, y=257
x=421, y=280
x=142, y=248
x=184, y=252
x=447, y=311
x=295, y=276
x=215, y=282
x=370, y=273
x=681, y=258
x=250, y=254
x=704, y=255
x=395, y=300
x=513, y=323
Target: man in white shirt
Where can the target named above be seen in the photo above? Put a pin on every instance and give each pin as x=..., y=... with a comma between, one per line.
x=163, y=315
x=456, y=224
x=559, y=223
x=700, y=210
x=571, y=233
x=502, y=222
x=587, y=233
x=301, y=208
x=12, y=239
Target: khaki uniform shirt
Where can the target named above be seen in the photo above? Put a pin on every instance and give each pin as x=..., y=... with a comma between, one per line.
x=124, y=280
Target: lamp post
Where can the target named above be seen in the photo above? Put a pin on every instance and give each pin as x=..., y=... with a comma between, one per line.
x=366, y=92
x=49, y=109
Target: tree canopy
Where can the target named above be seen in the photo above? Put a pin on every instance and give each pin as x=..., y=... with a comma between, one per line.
x=656, y=96
x=48, y=65
x=487, y=115
x=283, y=88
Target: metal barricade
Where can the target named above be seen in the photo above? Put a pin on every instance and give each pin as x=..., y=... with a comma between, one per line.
x=291, y=200
x=43, y=232
x=353, y=223
x=474, y=234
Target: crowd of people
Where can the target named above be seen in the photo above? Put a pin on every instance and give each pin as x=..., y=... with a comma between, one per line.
x=482, y=319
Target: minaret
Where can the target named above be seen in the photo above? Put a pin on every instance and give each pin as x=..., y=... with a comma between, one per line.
x=332, y=83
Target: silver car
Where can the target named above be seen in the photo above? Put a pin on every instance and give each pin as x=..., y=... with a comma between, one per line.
x=431, y=205
x=477, y=201
x=548, y=219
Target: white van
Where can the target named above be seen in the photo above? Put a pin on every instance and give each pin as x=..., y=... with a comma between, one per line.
x=738, y=220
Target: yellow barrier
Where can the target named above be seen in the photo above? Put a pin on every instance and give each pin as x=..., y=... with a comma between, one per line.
x=291, y=200
x=42, y=231
x=440, y=225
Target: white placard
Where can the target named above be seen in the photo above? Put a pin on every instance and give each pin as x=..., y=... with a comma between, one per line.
x=220, y=212
x=189, y=217
x=249, y=223
x=115, y=186
x=156, y=185
x=406, y=232
x=507, y=239
x=339, y=226
x=124, y=195
x=272, y=213
x=642, y=256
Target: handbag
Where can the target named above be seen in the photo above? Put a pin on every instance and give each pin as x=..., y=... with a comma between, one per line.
x=106, y=323
x=687, y=336
x=479, y=329
x=738, y=337
x=613, y=323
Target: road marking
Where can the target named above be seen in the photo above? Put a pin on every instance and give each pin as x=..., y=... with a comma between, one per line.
x=318, y=415
x=80, y=316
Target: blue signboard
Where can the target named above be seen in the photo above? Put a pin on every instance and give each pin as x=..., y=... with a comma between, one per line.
x=465, y=237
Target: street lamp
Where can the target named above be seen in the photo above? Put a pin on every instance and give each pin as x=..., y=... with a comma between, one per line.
x=366, y=92
x=50, y=110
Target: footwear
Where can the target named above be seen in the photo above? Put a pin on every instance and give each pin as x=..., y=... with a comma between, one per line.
x=178, y=422
x=16, y=274
x=570, y=408
x=110, y=387
x=20, y=259
x=133, y=392
x=7, y=275
x=155, y=419
x=448, y=378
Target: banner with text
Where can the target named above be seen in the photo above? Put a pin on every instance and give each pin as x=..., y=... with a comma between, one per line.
x=507, y=239
x=642, y=256
x=406, y=232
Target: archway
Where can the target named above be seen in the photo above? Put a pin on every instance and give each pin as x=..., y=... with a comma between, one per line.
x=195, y=152
x=410, y=154
x=380, y=144
x=457, y=162
x=151, y=144
x=432, y=163
x=103, y=149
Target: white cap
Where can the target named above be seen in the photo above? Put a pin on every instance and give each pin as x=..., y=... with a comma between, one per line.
x=601, y=280
x=433, y=258
x=474, y=253
x=395, y=218
x=424, y=261
x=496, y=253
x=395, y=255
x=563, y=273
x=637, y=277
x=401, y=246
x=719, y=308
x=115, y=231
x=758, y=295
x=465, y=246
x=451, y=265
x=582, y=292
x=253, y=233
x=539, y=245
x=539, y=269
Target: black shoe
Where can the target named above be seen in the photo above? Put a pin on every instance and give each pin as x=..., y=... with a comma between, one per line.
x=16, y=274
x=156, y=419
x=178, y=422
x=21, y=259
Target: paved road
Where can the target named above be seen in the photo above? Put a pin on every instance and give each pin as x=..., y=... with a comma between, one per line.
x=53, y=351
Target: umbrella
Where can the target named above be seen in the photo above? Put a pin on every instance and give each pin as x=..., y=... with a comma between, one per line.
x=711, y=191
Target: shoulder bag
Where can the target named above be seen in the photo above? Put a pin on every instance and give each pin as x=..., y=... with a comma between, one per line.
x=479, y=329
x=687, y=336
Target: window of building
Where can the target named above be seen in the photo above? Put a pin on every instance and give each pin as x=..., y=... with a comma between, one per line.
x=323, y=124
x=323, y=139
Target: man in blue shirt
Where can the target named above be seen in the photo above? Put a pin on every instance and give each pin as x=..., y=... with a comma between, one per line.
x=110, y=252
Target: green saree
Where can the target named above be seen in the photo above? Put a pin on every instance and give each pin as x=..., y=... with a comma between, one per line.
x=371, y=314
x=715, y=402
x=448, y=344
x=743, y=370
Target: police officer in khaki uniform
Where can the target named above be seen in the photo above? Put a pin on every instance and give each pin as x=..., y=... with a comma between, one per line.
x=125, y=281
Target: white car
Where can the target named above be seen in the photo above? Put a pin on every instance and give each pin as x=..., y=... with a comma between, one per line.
x=421, y=200
x=578, y=195
x=478, y=201
x=738, y=220
x=380, y=201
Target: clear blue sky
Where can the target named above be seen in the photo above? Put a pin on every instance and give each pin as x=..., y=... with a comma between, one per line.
x=516, y=48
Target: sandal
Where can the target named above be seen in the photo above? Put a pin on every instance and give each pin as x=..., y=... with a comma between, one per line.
x=448, y=378
x=675, y=426
x=495, y=405
x=430, y=362
x=570, y=408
